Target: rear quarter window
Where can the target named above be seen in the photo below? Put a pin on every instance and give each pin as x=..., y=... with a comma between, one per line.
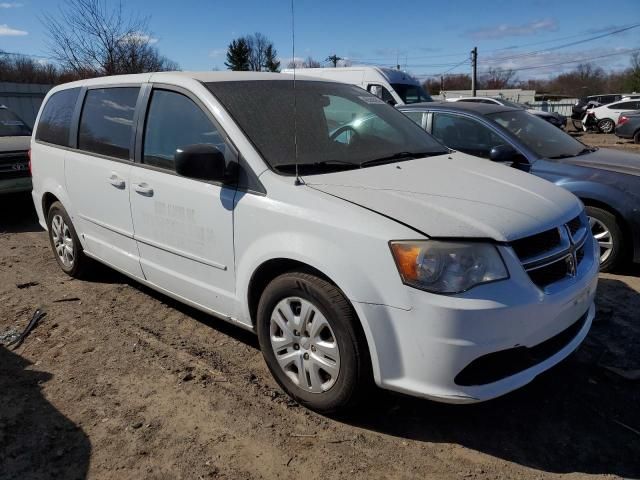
x=55, y=119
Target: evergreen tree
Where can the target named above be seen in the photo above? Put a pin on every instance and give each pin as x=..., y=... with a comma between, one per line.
x=271, y=64
x=238, y=55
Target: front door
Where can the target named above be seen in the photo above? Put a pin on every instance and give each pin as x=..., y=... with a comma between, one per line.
x=183, y=227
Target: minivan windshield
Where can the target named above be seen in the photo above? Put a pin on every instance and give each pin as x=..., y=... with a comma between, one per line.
x=11, y=125
x=338, y=126
x=411, y=93
x=546, y=140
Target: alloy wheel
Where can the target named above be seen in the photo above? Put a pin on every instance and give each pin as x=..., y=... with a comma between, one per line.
x=62, y=241
x=603, y=236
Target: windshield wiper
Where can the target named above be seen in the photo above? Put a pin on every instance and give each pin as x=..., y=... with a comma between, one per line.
x=324, y=165
x=398, y=157
x=571, y=155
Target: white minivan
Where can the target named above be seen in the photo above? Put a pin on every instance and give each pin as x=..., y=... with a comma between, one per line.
x=357, y=246
x=393, y=86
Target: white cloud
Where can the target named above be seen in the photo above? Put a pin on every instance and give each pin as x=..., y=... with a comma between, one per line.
x=217, y=52
x=11, y=5
x=140, y=37
x=7, y=31
x=505, y=30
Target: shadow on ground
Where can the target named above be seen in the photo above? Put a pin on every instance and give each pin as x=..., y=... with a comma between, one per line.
x=36, y=440
x=18, y=214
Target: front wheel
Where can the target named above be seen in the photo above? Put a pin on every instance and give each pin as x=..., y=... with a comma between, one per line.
x=608, y=234
x=310, y=341
x=636, y=137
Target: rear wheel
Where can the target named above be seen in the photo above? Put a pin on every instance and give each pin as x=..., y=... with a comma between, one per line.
x=606, y=125
x=308, y=336
x=64, y=241
x=636, y=137
x=608, y=234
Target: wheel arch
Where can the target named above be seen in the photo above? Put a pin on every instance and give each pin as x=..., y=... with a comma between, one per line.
x=272, y=268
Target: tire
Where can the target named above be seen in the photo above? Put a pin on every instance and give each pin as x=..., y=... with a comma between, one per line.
x=606, y=125
x=305, y=349
x=577, y=124
x=607, y=231
x=64, y=241
x=636, y=137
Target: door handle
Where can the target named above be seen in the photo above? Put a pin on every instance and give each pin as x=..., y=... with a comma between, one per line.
x=116, y=181
x=143, y=189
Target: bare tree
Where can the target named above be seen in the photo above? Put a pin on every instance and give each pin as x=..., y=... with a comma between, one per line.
x=258, y=45
x=309, y=62
x=495, y=78
x=91, y=37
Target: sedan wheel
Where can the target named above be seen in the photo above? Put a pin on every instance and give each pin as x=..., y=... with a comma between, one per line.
x=608, y=233
x=603, y=236
x=606, y=125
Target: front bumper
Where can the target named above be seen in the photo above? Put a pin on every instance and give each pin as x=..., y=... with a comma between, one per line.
x=15, y=185
x=421, y=351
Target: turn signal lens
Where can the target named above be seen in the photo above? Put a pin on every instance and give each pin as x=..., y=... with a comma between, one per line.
x=623, y=120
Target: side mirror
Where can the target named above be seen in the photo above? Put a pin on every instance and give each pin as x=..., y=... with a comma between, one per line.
x=503, y=153
x=202, y=161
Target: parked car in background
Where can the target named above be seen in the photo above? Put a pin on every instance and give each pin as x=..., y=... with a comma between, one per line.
x=553, y=118
x=607, y=181
x=606, y=116
x=14, y=146
x=629, y=126
x=580, y=108
x=376, y=255
x=390, y=85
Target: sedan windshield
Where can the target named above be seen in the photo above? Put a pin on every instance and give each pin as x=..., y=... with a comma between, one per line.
x=11, y=125
x=338, y=126
x=543, y=138
x=411, y=93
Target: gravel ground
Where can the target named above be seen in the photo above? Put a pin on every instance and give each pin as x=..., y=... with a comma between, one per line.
x=118, y=381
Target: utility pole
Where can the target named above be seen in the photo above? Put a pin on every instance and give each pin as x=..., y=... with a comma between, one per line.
x=441, y=84
x=474, y=70
x=334, y=59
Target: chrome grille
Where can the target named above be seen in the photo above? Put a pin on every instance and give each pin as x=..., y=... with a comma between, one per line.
x=555, y=254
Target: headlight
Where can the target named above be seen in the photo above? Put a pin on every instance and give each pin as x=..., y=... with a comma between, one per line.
x=447, y=267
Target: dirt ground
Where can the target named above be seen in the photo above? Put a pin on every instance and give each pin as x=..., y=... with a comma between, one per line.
x=120, y=382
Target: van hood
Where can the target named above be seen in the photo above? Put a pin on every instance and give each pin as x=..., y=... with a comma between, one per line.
x=455, y=195
x=608, y=159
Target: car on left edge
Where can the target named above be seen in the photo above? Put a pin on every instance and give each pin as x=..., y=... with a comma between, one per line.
x=15, y=136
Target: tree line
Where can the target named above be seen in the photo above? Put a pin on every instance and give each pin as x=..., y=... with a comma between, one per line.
x=585, y=79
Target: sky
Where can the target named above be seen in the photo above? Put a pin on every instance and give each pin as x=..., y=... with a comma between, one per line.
x=427, y=38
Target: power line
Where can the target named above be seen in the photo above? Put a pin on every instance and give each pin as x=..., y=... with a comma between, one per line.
x=24, y=55
x=515, y=47
x=558, y=47
x=534, y=67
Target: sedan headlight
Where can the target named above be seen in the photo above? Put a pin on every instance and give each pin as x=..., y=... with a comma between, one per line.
x=447, y=267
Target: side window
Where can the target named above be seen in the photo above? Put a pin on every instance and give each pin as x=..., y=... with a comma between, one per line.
x=55, y=120
x=382, y=93
x=106, y=123
x=464, y=134
x=175, y=121
x=415, y=116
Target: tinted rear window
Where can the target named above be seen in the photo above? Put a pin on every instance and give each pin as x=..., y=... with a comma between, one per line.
x=11, y=125
x=55, y=120
x=106, y=123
